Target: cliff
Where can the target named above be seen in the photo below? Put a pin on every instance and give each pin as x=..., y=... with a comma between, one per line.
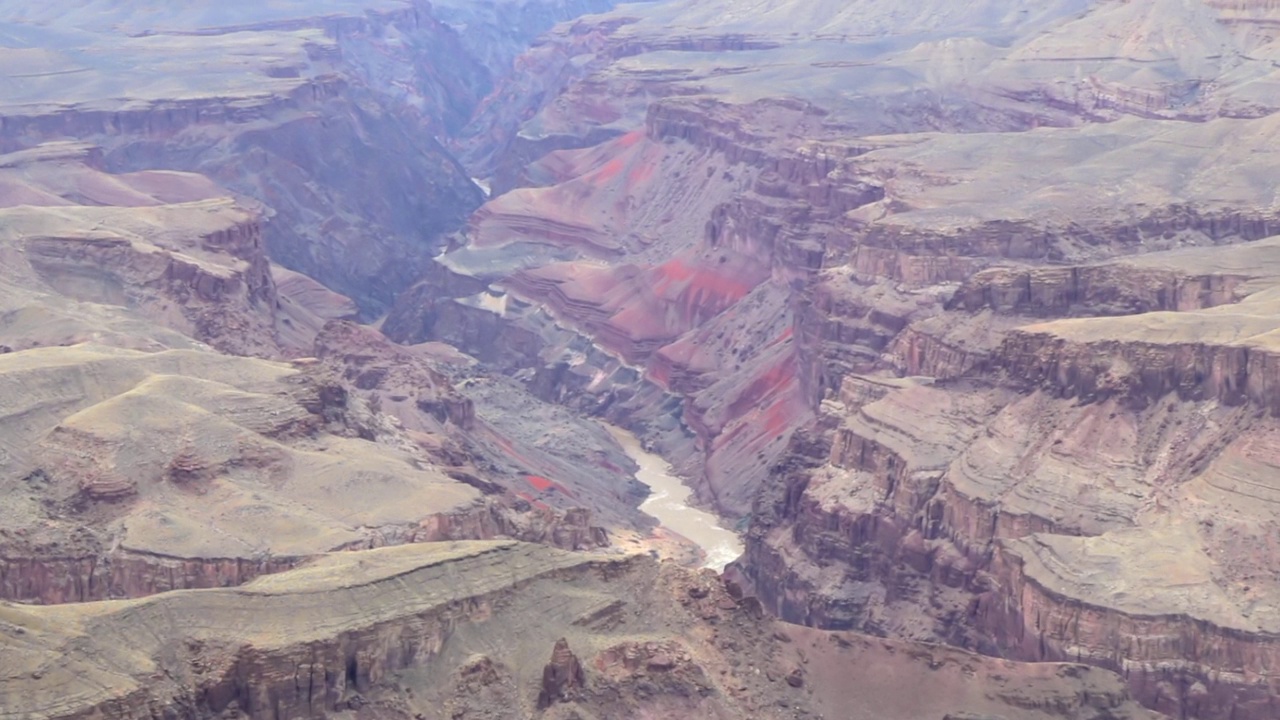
x=1079, y=489
x=979, y=349
x=146, y=462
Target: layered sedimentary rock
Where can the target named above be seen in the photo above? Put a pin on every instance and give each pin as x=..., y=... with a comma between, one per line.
x=491, y=433
x=171, y=247
x=1078, y=488
x=330, y=114
x=734, y=171
x=133, y=471
x=118, y=454
x=139, y=458
x=948, y=303
x=413, y=632
x=971, y=250
x=562, y=678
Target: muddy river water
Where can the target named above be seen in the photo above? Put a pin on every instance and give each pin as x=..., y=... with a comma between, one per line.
x=668, y=502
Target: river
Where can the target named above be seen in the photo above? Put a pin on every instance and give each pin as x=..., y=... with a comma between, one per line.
x=668, y=503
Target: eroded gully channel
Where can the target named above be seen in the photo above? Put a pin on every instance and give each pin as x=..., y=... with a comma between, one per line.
x=668, y=502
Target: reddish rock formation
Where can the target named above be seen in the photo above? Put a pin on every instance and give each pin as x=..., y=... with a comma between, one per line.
x=562, y=677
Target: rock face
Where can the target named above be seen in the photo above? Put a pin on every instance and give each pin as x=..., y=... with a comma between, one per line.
x=139, y=459
x=171, y=247
x=743, y=238
x=1055, y=488
x=132, y=472
x=181, y=413
x=438, y=632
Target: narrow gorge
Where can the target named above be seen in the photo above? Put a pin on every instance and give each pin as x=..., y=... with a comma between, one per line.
x=404, y=360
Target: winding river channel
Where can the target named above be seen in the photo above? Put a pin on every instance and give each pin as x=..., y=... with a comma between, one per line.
x=668, y=503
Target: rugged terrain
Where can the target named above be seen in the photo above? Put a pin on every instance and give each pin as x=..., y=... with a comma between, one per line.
x=963, y=312
x=331, y=113
x=178, y=413
x=497, y=630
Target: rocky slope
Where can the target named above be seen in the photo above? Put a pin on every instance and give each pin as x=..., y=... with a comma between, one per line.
x=157, y=436
x=742, y=160
x=1087, y=468
x=180, y=412
x=497, y=630
x=173, y=247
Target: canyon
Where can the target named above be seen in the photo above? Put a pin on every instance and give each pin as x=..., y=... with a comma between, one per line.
x=352, y=354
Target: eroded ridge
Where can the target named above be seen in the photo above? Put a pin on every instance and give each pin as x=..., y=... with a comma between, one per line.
x=493, y=629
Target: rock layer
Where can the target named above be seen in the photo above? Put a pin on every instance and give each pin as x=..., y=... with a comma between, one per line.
x=138, y=460
x=979, y=347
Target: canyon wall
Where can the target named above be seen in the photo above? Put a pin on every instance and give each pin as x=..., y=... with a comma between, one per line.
x=916, y=310
x=977, y=352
